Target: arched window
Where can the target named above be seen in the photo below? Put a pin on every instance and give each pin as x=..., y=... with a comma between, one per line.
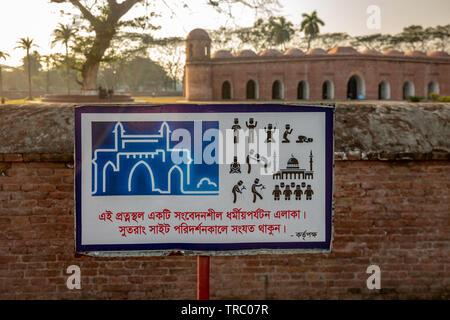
x=384, y=90
x=277, y=90
x=251, y=90
x=226, y=90
x=303, y=90
x=356, y=88
x=433, y=87
x=327, y=90
x=408, y=90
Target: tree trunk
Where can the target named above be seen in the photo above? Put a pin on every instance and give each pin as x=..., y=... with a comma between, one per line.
x=89, y=73
x=67, y=69
x=29, y=76
x=90, y=68
x=47, y=80
x=1, y=83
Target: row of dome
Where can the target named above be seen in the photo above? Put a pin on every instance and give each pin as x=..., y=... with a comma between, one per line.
x=222, y=54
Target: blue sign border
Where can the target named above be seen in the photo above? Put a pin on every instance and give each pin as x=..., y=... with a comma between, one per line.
x=208, y=108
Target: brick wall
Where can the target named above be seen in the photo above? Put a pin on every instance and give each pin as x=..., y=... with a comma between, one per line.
x=391, y=213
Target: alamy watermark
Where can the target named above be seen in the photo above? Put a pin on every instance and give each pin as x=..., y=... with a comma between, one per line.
x=374, y=20
x=374, y=280
x=74, y=280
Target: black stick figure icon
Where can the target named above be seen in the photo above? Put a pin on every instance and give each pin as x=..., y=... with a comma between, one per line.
x=286, y=133
x=309, y=192
x=237, y=189
x=298, y=193
x=235, y=166
x=251, y=125
x=276, y=193
x=287, y=193
x=255, y=192
x=236, y=127
x=270, y=130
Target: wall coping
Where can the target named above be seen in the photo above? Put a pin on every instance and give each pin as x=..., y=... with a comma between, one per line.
x=363, y=131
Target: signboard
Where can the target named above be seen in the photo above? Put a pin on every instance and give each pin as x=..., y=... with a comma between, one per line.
x=208, y=178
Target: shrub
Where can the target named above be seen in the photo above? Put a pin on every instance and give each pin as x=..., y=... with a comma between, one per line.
x=415, y=98
x=433, y=96
x=444, y=99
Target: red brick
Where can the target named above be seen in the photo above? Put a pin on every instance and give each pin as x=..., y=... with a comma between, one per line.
x=386, y=213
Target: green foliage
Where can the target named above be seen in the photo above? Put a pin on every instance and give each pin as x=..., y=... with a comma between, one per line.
x=415, y=98
x=433, y=96
x=134, y=75
x=444, y=99
x=279, y=31
x=310, y=25
x=35, y=62
x=328, y=41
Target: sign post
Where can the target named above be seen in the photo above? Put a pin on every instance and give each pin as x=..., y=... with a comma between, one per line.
x=203, y=179
x=203, y=277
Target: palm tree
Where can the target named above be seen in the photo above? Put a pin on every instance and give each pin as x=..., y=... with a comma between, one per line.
x=280, y=31
x=49, y=61
x=3, y=56
x=310, y=26
x=26, y=44
x=64, y=33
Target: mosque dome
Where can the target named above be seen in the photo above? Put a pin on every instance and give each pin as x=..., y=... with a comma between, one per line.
x=371, y=52
x=270, y=53
x=246, y=53
x=221, y=54
x=343, y=51
x=294, y=52
x=415, y=53
x=198, y=34
x=293, y=163
x=393, y=53
x=437, y=54
x=316, y=52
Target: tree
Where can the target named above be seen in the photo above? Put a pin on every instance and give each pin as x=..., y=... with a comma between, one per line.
x=441, y=35
x=375, y=41
x=330, y=40
x=171, y=57
x=26, y=44
x=279, y=31
x=413, y=37
x=64, y=33
x=310, y=26
x=104, y=21
x=257, y=36
x=138, y=74
x=49, y=61
x=3, y=56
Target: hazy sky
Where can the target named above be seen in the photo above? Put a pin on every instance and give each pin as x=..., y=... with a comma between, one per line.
x=38, y=18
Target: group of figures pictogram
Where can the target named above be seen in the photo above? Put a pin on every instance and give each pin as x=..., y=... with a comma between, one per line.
x=292, y=190
x=289, y=191
x=270, y=129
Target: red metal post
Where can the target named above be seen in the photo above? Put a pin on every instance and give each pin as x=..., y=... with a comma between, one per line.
x=202, y=277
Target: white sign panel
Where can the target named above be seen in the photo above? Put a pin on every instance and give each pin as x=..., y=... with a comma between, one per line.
x=203, y=177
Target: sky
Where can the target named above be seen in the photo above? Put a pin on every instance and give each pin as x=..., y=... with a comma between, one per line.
x=38, y=18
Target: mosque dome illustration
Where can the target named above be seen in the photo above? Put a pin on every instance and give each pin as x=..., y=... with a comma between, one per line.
x=293, y=163
x=293, y=170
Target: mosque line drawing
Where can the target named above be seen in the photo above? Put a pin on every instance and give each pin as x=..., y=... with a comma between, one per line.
x=293, y=170
x=114, y=170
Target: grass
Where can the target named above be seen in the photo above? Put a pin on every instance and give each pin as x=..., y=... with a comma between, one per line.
x=158, y=100
x=22, y=101
x=150, y=100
